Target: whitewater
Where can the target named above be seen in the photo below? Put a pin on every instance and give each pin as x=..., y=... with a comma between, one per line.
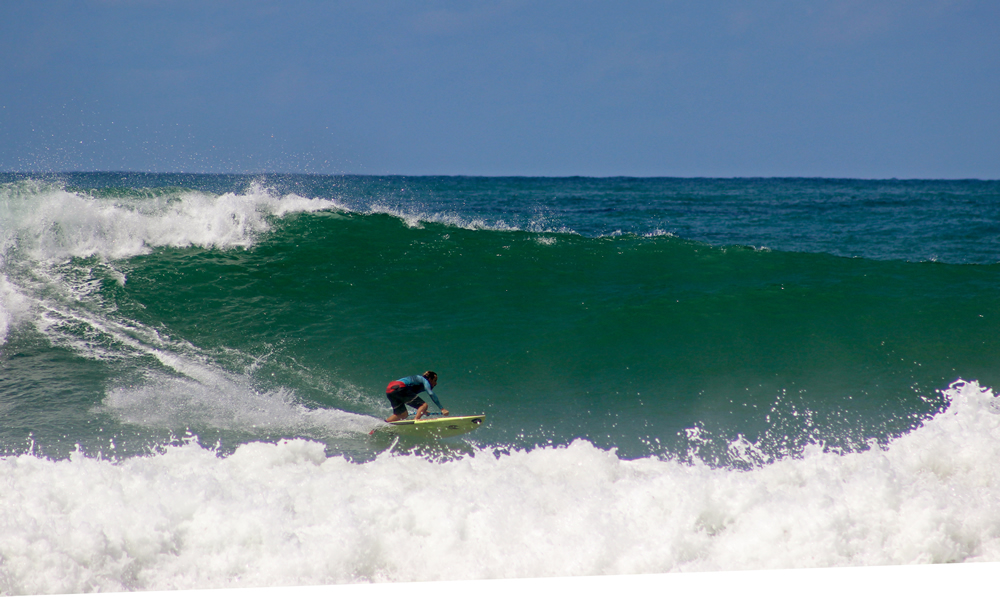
x=285, y=513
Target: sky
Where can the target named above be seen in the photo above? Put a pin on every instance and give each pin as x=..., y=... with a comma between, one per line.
x=837, y=88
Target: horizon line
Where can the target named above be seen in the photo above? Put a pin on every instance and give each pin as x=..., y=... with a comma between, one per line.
x=526, y=176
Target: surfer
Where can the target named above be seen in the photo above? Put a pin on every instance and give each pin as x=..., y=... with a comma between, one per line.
x=405, y=391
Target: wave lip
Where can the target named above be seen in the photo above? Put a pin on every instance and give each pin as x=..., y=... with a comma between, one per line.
x=53, y=223
x=43, y=225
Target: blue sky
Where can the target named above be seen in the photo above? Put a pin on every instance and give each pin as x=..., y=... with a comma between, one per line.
x=866, y=89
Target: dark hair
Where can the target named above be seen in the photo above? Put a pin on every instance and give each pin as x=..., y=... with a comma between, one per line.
x=429, y=375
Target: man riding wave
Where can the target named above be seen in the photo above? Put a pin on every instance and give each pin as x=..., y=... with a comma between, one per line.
x=405, y=391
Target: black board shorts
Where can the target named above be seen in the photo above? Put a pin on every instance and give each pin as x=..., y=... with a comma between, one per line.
x=399, y=395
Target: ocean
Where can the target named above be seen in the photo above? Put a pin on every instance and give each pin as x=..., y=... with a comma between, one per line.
x=677, y=375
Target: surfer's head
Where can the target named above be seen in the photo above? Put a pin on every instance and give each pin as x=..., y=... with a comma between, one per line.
x=431, y=377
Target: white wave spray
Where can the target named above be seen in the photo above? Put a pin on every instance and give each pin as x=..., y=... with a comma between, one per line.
x=285, y=514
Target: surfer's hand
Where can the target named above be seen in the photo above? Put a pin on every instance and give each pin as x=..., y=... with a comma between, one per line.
x=444, y=412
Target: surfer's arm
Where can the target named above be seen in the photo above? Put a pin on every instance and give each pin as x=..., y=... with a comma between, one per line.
x=430, y=392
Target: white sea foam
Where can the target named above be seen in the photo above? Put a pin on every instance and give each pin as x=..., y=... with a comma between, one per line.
x=52, y=223
x=285, y=514
x=221, y=401
x=416, y=218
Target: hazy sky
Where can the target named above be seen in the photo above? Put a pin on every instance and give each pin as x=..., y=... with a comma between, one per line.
x=867, y=88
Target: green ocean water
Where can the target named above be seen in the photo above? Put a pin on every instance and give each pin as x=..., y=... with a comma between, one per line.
x=129, y=328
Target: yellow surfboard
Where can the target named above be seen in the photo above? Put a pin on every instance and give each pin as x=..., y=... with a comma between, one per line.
x=436, y=428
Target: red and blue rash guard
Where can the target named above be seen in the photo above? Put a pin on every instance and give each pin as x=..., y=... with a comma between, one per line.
x=411, y=386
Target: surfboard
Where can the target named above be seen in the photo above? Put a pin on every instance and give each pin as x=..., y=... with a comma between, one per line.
x=436, y=428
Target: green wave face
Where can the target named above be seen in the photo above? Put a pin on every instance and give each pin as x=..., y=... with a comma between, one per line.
x=616, y=339
x=225, y=308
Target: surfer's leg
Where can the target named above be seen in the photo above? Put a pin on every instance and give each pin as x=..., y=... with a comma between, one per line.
x=420, y=411
x=399, y=411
